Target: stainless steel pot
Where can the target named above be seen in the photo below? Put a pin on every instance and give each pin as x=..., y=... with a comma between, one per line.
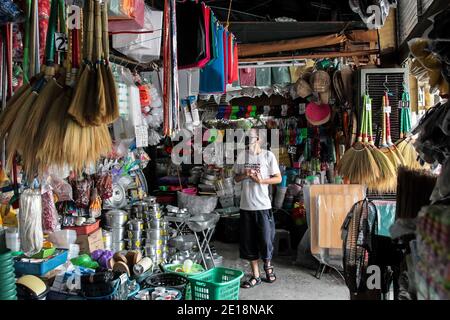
x=133, y=244
x=150, y=200
x=117, y=234
x=107, y=239
x=154, y=234
x=136, y=225
x=135, y=235
x=116, y=218
x=118, y=246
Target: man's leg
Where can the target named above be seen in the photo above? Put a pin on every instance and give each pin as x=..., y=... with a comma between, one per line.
x=255, y=268
x=266, y=231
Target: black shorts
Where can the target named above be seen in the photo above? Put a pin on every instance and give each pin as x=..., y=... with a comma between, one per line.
x=257, y=233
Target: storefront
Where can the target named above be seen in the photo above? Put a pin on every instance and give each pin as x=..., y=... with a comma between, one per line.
x=173, y=150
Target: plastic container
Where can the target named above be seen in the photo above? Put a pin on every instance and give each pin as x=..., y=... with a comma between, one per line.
x=44, y=253
x=39, y=269
x=216, y=284
x=227, y=201
x=86, y=229
x=12, y=240
x=168, y=280
x=63, y=239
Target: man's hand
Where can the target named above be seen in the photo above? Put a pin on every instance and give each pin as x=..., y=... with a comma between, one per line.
x=257, y=178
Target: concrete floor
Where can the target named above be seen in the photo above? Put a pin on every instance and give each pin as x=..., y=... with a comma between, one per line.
x=293, y=282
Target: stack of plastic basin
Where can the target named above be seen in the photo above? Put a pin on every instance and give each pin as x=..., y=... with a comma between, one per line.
x=7, y=277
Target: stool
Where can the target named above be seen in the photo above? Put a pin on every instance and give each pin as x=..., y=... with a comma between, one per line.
x=285, y=236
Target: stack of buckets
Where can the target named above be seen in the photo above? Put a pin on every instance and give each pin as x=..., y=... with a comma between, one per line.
x=281, y=193
x=7, y=277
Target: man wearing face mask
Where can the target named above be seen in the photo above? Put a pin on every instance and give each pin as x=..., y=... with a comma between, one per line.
x=257, y=168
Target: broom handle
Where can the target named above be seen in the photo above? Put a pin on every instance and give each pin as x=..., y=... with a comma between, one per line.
x=370, y=134
x=90, y=31
x=402, y=112
x=388, y=123
x=363, y=121
x=383, y=135
x=50, y=41
x=26, y=46
x=98, y=31
x=105, y=37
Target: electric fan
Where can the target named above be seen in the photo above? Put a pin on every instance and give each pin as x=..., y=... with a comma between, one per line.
x=358, y=235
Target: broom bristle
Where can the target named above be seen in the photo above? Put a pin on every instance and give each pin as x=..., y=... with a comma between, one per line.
x=15, y=134
x=410, y=155
x=80, y=97
x=387, y=180
x=51, y=148
x=13, y=108
x=359, y=165
x=112, y=106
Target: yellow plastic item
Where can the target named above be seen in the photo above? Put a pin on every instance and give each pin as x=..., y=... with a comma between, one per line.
x=9, y=216
x=33, y=283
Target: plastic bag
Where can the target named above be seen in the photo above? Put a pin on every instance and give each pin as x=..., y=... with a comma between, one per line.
x=61, y=188
x=49, y=212
x=82, y=192
x=30, y=222
x=104, y=185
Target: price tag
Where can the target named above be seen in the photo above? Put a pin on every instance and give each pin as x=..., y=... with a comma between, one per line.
x=302, y=108
x=141, y=133
x=292, y=149
x=387, y=109
x=61, y=42
x=368, y=106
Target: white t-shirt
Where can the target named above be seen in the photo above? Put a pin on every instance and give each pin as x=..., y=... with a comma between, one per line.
x=255, y=196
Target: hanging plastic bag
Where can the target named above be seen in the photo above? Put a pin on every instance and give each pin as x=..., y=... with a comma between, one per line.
x=144, y=43
x=61, y=188
x=49, y=212
x=30, y=222
x=82, y=192
x=104, y=185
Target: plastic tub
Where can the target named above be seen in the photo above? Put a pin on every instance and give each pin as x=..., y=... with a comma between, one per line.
x=12, y=239
x=39, y=269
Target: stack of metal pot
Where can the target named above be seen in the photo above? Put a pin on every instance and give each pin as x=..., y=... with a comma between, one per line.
x=114, y=235
x=136, y=227
x=157, y=234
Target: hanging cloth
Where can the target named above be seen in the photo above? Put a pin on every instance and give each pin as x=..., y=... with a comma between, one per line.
x=247, y=77
x=191, y=34
x=214, y=50
x=212, y=76
x=263, y=78
x=226, y=56
x=281, y=75
x=230, y=58
x=235, y=69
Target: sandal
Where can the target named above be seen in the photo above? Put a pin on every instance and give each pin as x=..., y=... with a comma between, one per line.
x=270, y=275
x=250, y=283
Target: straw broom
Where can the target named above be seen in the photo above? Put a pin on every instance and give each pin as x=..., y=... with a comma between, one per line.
x=404, y=144
x=81, y=99
x=112, y=103
x=358, y=163
x=387, y=177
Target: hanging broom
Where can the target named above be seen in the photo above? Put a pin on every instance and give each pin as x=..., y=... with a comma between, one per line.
x=358, y=163
x=405, y=144
x=112, y=103
x=386, y=179
x=82, y=100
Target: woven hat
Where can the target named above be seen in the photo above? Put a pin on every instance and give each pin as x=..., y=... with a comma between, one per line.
x=320, y=81
x=303, y=88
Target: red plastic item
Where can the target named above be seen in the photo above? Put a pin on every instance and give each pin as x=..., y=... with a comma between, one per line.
x=85, y=230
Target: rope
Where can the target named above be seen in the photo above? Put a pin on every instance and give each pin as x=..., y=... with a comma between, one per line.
x=229, y=13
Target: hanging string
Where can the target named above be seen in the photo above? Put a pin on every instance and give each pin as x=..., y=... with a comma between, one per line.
x=229, y=13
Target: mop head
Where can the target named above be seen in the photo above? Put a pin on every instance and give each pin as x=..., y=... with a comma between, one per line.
x=359, y=165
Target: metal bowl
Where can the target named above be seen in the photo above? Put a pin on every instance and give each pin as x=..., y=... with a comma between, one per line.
x=204, y=221
x=183, y=243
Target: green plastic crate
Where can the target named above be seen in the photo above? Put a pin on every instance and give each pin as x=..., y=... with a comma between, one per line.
x=216, y=284
x=196, y=269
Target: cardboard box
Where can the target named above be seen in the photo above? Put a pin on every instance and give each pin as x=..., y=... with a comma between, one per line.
x=91, y=242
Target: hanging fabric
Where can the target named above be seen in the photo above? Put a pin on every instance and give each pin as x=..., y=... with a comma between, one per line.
x=225, y=55
x=247, y=77
x=191, y=36
x=235, y=69
x=281, y=75
x=263, y=77
x=212, y=77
